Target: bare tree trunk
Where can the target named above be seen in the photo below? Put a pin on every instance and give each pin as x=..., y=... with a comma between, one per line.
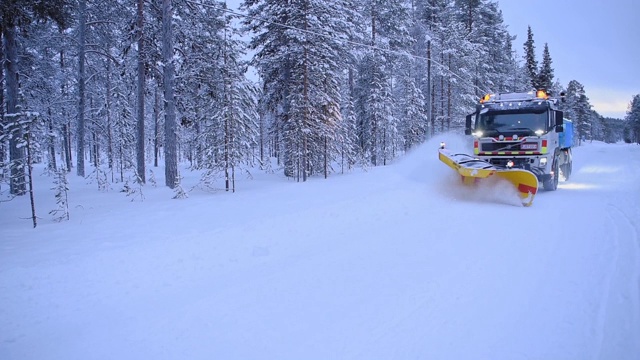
x=227, y=114
x=170, y=126
x=428, y=95
x=141, y=81
x=53, y=166
x=110, y=154
x=95, y=146
x=16, y=153
x=449, y=97
x=121, y=149
x=442, y=97
x=66, y=128
x=261, y=129
x=326, y=158
x=81, y=86
x=3, y=148
x=306, y=119
x=30, y=169
x=156, y=125
x=66, y=138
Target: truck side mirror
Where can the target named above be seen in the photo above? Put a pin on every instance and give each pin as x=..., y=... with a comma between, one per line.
x=559, y=121
x=467, y=130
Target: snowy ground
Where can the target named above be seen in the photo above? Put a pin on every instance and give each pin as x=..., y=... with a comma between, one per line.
x=399, y=262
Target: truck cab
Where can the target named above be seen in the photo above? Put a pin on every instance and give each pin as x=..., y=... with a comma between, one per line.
x=523, y=130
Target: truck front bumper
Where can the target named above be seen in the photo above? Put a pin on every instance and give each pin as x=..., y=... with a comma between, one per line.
x=540, y=165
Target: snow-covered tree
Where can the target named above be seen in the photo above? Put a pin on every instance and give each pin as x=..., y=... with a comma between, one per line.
x=170, y=123
x=531, y=64
x=299, y=56
x=545, y=74
x=516, y=78
x=16, y=15
x=578, y=109
x=411, y=106
x=140, y=93
x=388, y=24
x=231, y=130
x=633, y=119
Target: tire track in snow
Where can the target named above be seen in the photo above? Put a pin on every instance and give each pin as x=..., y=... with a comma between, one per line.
x=618, y=317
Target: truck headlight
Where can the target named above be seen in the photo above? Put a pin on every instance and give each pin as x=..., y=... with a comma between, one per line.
x=543, y=161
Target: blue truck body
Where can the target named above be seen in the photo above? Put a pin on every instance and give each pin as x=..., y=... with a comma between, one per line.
x=566, y=136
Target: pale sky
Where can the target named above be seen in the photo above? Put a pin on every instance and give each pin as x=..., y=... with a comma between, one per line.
x=594, y=42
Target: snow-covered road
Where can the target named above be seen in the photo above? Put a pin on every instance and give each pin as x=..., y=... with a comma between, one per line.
x=399, y=262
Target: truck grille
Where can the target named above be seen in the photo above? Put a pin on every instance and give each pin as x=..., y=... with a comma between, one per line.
x=496, y=146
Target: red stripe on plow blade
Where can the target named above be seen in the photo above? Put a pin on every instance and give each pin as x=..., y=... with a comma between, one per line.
x=527, y=189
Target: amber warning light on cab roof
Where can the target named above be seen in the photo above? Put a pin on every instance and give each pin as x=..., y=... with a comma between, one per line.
x=541, y=94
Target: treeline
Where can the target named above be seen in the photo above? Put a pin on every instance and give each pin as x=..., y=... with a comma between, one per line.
x=109, y=89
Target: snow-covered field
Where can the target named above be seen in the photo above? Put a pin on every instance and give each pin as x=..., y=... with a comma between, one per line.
x=400, y=262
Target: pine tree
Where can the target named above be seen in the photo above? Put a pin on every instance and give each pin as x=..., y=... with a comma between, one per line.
x=375, y=104
x=170, y=124
x=140, y=91
x=231, y=132
x=516, y=80
x=300, y=56
x=347, y=134
x=16, y=15
x=633, y=119
x=531, y=63
x=578, y=109
x=81, y=126
x=545, y=76
x=414, y=125
x=61, y=188
x=490, y=33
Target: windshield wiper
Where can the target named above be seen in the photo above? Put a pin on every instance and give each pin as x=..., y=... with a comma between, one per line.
x=496, y=130
x=508, y=147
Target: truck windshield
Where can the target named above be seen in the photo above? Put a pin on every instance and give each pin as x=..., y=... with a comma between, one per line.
x=522, y=122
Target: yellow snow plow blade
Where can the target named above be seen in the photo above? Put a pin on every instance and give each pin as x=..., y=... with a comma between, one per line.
x=472, y=170
x=525, y=181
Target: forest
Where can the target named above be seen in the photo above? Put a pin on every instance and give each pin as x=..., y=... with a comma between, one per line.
x=110, y=90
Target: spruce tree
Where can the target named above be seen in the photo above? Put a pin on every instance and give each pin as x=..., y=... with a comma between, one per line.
x=545, y=76
x=531, y=63
x=578, y=109
x=633, y=119
x=300, y=56
x=16, y=16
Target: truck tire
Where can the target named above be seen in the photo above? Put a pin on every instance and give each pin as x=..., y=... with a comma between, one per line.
x=552, y=183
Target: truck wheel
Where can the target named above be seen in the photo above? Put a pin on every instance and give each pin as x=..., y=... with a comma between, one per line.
x=552, y=183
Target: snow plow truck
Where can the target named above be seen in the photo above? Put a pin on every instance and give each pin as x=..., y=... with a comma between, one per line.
x=521, y=137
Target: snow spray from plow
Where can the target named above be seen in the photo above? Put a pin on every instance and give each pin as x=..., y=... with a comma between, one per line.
x=472, y=170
